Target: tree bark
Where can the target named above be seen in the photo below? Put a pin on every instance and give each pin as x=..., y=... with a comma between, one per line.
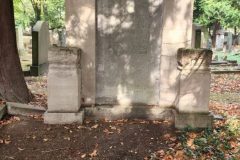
x=12, y=84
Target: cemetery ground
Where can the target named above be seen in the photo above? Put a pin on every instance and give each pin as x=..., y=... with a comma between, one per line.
x=29, y=138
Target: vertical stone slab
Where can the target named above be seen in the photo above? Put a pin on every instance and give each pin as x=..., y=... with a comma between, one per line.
x=194, y=91
x=40, y=46
x=177, y=33
x=64, y=86
x=81, y=32
x=20, y=43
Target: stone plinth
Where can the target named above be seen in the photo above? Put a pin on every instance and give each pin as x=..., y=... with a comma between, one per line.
x=64, y=86
x=195, y=79
x=40, y=46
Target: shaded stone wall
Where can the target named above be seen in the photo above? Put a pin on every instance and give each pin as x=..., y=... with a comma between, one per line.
x=177, y=33
x=128, y=51
x=81, y=32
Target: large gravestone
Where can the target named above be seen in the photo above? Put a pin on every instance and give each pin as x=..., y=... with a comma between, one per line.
x=40, y=46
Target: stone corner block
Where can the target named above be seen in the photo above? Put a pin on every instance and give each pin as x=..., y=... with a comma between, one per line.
x=3, y=111
x=64, y=80
x=194, y=120
x=63, y=118
x=194, y=59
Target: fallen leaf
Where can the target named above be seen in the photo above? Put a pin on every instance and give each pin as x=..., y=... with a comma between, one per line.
x=93, y=154
x=20, y=149
x=83, y=156
x=95, y=126
x=7, y=141
x=45, y=139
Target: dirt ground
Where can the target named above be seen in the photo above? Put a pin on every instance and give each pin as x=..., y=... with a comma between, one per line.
x=30, y=139
x=27, y=138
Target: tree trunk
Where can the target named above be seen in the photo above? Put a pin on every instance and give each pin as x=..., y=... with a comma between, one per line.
x=12, y=84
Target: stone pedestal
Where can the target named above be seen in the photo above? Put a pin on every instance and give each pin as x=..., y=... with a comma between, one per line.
x=40, y=46
x=64, y=86
x=194, y=91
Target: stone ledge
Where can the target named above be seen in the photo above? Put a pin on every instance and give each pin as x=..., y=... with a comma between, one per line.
x=24, y=109
x=130, y=112
x=3, y=111
x=194, y=120
x=63, y=118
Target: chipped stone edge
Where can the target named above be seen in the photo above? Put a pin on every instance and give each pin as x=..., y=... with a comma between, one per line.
x=3, y=111
x=24, y=109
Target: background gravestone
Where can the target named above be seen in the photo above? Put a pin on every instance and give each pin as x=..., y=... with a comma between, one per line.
x=20, y=42
x=228, y=41
x=40, y=46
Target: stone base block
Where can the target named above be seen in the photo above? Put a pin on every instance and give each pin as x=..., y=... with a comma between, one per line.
x=24, y=109
x=3, y=111
x=38, y=70
x=63, y=118
x=194, y=120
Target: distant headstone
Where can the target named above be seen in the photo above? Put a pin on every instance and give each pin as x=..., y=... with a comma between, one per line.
x=219, y=40
x=228, y=41
x=58, y=37
x=200, y=37
x=40, y=46
x=62, y=37
x=20, y=43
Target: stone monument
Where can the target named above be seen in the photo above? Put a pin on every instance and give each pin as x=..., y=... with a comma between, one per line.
x=128, y=61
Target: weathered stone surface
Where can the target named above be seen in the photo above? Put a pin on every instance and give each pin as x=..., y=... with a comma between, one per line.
x=194, y=92
x=64, y=118
x=24, y=109
x=64, y=80
x=40, y=46
x=3, y=111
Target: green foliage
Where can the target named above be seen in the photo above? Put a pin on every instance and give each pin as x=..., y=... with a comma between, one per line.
x=224, y=12
x=24, y=13
x=218, y=143
x=55, y=13
x=28, y=12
